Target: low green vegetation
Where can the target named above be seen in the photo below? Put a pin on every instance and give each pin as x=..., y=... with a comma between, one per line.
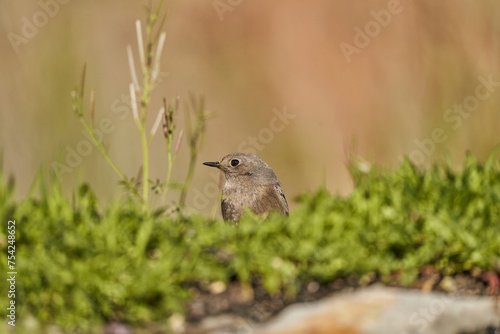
x=79, y=266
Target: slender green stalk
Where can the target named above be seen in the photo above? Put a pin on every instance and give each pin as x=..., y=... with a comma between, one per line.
x=189, y=178
x=149, y=50
x=195, y=139
x=169, y=169
x=150, y=69
x=145, y=173
x=168, y=132
x=78, y=106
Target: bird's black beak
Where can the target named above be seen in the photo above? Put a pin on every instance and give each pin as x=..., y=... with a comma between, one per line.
x=212, y=164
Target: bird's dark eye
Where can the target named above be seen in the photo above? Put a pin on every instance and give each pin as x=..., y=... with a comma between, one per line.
x=235, y=162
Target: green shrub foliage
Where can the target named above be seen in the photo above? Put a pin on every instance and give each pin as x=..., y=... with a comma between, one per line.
x=79, y=266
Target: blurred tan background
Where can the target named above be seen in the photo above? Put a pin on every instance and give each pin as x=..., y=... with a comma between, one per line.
x=380, y=78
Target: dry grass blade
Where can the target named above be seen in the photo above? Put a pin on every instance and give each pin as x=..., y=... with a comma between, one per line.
x=156, y=62
x=92, y=109
x=178, y=143
x=131, y=66
x=140, y=43
x=82, y=81
x=157, y=122
x=133, y=101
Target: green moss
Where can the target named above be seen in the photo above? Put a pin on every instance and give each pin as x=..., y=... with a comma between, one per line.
x=79, y=266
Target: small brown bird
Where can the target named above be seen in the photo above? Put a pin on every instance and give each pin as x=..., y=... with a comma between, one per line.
x=250, y=183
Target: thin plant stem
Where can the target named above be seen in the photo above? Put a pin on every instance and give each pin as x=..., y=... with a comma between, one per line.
x=168, y=131
x=189, y=178
x=150, y=48
x=195, y=138
x=102, y=149
x=145, y=173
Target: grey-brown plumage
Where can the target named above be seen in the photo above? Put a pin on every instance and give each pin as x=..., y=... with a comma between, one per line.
x=250, y=183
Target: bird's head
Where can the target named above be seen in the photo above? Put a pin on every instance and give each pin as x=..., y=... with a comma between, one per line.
x=245, y=167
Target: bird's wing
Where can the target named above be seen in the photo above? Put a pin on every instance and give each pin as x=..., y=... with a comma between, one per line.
x=282, y=197
x=272, y=199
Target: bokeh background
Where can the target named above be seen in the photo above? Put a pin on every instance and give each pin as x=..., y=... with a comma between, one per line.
x=251, y=60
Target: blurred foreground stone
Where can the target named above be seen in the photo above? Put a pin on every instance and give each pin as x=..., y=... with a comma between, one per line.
x=372, y=310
